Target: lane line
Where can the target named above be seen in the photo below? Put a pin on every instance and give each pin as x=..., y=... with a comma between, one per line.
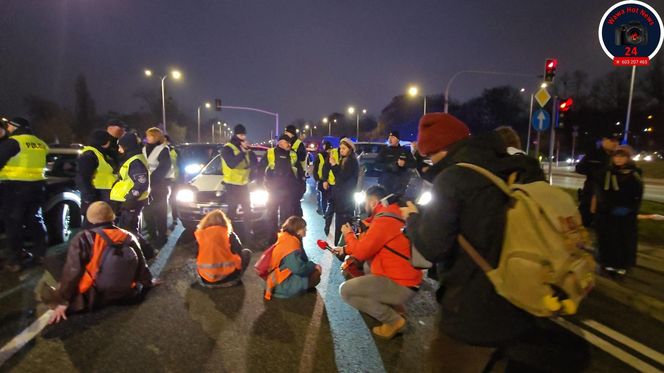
x=28, y=334
x=32, y=280
x=636, y=346
x=606, y=346
x=307, y=362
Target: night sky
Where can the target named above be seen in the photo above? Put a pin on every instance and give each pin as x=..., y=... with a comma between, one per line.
x=301, y=58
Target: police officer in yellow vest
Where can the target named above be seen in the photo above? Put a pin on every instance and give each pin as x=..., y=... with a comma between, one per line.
x=237, y=161
x=300, y=150
x=280, y=165
x=321, y=178
x=22, y=164
x=173, y=181
x=95, y=175
x=130, y=194
x=329, y=185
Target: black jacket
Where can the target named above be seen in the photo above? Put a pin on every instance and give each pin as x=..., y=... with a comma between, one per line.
x=592, y=163
x=394, y=178
x=233, y=160
x=138, y=173
x=158, y=176
x=346, y=175
x=282, y=174
x=467, y=203
x=618, y=188
x=87, y=165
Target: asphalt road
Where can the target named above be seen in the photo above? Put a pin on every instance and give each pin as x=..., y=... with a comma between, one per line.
x=182, y=327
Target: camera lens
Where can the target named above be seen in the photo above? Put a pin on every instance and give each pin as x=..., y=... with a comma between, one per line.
x=634, y=35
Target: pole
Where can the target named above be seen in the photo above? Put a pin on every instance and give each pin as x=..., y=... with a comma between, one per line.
x=629, y=105
x=574, y=135
x=198, y=116
x=276, y=116
x=530, y=127
x=537, y=148
x=329, y=128
x=358, y=127
x=163, y=102
x=425, y=105
x=213, y=133
x=552, y=138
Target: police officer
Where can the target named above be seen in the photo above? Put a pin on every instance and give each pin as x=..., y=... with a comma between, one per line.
x=130, y=193
x=116, y=129
x=95, y=175
x=236, y=167
x=159, y=168
x=300, y=150
x=395, y=161
x=321, y=178
x=280, y=177
x=22, y=163
x=173, y=181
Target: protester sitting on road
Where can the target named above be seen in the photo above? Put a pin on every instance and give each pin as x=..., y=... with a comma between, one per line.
x=393, y=280
x=291, y=271
x=616, y=204
x=476, y=321
x=346, y=172
x=104, y=265
x=221, y=260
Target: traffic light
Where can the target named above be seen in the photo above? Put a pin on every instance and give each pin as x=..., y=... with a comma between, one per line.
x=217, y=104
x=550, y=69
x=566, y=104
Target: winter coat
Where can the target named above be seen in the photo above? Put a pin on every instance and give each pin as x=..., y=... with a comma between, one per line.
x=465, y=202
x=346, y=174
x=394, y=178
x=298, y=263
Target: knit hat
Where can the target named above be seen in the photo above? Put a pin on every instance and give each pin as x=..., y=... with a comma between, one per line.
x=395, y=134
x=437, y=131
x=348, y=142
x=19, y=122
x=284, y=137
x=116, y=123
x=292, y=130
x=129, y=141
x=239, y=130
x=625, y=150
x=99, y=138
x=100, y=212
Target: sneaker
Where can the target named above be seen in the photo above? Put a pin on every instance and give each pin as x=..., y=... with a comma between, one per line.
x=388, y=331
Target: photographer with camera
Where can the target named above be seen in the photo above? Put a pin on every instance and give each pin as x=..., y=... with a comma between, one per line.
x=393, y=280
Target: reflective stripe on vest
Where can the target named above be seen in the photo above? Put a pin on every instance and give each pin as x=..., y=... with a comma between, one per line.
x=271, y=160
x=153, y=160
x=277, y=276
x=215, y=260
x=104, y=177
x=92, y=268
x=29, y=163
x=238, y=175
x=296, y=146
x=126, y=184
x=331, y=179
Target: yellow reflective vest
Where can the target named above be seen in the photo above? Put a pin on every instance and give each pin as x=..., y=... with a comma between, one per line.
x=174, y=164
x=30, y=162
x=296, y=146
x=238, y=175
x=271, y=160
x=126, y=184
x=334, y=154
x=104, y=177
x=321, y=165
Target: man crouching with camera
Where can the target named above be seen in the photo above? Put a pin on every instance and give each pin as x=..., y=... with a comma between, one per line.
x=393, y=280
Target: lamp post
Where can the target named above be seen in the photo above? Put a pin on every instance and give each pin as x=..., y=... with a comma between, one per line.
x=175, y=74
x=413, y=92
x=351, y=111
x=198, y=116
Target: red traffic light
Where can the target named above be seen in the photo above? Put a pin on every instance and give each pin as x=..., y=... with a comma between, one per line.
x=551, y=63
x=566, y=105
x=550, y=66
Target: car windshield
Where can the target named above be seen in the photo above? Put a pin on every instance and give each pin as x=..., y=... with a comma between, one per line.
x=197, y=153
x=369, y=148
x=213, y=168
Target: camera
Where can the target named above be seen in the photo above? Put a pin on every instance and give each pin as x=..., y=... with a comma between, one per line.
x=632, y=33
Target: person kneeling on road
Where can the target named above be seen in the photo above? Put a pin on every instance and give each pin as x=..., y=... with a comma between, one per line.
x=291, y=271
x=221, y=260
x=104, y=265
x=393, y=280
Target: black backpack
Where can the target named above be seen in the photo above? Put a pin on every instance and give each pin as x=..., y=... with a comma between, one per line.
x=117, y=267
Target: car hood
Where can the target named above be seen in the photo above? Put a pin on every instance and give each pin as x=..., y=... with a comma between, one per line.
x=207, y=183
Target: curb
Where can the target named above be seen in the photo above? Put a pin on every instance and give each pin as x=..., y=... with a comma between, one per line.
x=641, y=302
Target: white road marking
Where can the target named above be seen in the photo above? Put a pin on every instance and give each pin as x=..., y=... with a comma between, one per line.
x=17, y=343
x=636, y=346
x=606, y=346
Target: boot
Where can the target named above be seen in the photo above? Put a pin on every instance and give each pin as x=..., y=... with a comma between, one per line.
x=388, y=331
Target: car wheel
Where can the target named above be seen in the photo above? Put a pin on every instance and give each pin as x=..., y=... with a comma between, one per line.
x=62, y=218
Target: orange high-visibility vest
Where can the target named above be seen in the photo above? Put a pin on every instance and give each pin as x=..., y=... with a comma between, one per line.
x=215, y=259
x=286, y=244
x=118, y=236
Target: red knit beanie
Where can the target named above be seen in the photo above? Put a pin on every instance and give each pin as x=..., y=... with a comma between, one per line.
x=438, y=131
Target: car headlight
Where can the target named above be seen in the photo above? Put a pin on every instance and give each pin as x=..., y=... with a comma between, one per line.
x=647, y=158
x=185, y=195
x=259, y=198
x=193, y=168
x=570, y=161
x=637, y=157
x=425, y=198
x=360, y=197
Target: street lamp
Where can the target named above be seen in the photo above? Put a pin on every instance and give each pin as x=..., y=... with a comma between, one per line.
x=413, y=91
x=544, y=85
x=198, y=116
x=329, y=127
x=351, y=111
x=175, y=74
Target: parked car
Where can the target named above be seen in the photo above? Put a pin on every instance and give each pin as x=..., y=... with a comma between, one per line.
x=205, y=192
x=62, y=209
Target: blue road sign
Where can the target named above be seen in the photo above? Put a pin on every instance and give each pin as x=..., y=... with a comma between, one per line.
x=541, y=120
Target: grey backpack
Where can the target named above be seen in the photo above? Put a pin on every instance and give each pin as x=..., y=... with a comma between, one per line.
x=117, y=268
